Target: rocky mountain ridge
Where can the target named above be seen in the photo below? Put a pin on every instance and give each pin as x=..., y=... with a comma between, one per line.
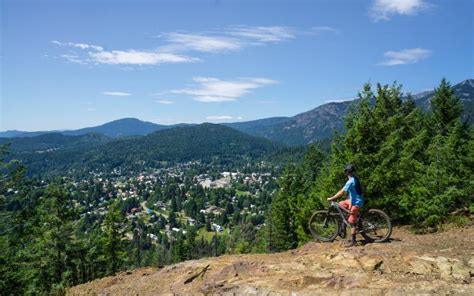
x=322, y=121
x=431, y=264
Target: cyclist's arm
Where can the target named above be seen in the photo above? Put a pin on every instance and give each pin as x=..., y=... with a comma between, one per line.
x=339, y=194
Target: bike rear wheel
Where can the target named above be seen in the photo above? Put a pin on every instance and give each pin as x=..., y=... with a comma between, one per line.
x=324, y=226
x=376, y=226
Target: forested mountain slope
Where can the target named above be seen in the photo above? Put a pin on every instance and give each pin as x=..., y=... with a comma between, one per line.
x=57, y=153
x=322, y=121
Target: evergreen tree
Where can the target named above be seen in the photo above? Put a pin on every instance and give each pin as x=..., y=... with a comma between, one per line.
x=57, y=238
x=114, y=233
x=17, y=207
x=446, y=108
x=284, y=232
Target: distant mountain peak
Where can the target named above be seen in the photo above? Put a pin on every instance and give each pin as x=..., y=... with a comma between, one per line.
x=468, y=82
x=127, y=119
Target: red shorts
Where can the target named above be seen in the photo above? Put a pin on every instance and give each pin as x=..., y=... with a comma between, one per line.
x=354, y=210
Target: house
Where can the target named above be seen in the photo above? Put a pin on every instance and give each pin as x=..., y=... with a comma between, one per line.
x=160, y=204
x=136, y=210
x=216, y=227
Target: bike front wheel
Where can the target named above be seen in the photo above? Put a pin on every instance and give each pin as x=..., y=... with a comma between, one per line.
x=376, y=226
x=324, y=226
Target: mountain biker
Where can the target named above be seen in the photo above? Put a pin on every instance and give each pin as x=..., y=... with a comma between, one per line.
x=355, y=201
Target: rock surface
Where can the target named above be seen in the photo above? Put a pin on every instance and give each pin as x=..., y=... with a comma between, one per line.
x=432, y=264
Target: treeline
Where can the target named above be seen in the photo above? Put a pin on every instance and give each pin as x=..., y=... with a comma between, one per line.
x=58, y=155
x=59, y=233
x=417, y=166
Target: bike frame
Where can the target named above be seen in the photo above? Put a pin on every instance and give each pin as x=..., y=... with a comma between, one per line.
x=340, y=211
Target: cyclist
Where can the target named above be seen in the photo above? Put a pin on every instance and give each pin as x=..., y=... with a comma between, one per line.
x=355, y=201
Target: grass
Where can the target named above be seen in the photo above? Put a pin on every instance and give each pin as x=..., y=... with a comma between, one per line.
x=208, y=235
x=240, y=193
x=459, y=221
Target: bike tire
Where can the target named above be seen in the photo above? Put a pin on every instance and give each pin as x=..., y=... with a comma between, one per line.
x=324, y=226
x=376, y=226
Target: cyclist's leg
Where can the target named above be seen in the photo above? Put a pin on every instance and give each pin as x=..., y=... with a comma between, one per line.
x=345, y=204
x=354, y=214
x=353, y=220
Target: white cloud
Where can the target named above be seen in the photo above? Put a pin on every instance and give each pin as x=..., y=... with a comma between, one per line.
x=339, y=100
x=263, y=34
x=73, y=58
x=405, y=56
x=211, y=89
x=219, y=118
x=180, y=47
x=383, y=10
x=91, y=109
x=97, y=55
x=116, y=93
x=229, y=39
x=203, y=43
x=324, y=29
x=78, y=45
x=165, y=102
x=133, y=57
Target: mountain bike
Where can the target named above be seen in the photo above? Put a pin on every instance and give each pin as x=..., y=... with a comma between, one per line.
x=373, y=224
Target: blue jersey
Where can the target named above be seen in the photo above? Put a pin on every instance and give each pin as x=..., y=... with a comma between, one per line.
x=355, y=191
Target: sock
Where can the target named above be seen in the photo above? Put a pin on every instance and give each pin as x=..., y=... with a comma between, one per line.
x=354, y=238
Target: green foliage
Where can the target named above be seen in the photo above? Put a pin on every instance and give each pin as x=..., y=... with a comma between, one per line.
x=57, y=154
x=446, y=107
x=113, y=236
x=416, y=166
x=294, y=203
x=283, y=222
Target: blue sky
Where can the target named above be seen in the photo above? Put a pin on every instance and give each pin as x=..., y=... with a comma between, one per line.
x=72, y=64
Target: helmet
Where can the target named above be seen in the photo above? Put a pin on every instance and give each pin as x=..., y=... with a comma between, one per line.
x=350, y=168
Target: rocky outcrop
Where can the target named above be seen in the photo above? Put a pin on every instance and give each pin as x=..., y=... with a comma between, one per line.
x=438, y=264
x=446, y=268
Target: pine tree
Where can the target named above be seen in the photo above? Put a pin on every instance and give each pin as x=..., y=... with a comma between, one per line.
x=57, y=238
x=446, y=108
x=114, y=233
x=284, y=232
x=17, y=207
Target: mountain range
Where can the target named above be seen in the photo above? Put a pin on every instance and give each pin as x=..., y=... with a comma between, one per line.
x=314, y=125
x=321, y=122
x=55, y=153
x=118, y=128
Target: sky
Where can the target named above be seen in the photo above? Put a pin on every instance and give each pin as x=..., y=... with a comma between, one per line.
x=72, y=64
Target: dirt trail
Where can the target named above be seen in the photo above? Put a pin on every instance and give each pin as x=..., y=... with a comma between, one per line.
x=431, y=264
